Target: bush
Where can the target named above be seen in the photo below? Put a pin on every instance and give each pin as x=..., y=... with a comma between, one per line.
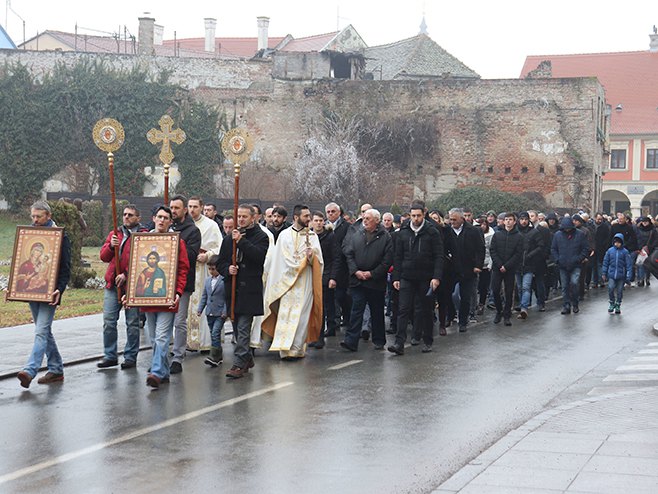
x=80, y=275
x=481, y=200
x=92, y=241
x=93, y=212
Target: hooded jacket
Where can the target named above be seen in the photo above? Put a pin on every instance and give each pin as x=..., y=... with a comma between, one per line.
x=533, y=249
x=617, y=263
x=569, y=246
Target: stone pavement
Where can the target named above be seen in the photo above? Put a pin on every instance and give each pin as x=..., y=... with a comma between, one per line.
x=604, y=444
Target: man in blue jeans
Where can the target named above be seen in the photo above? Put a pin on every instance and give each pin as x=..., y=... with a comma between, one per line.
x=369, y=253
x=569, y=249
x=533, y=248
x=44, y=312
x=111, y=304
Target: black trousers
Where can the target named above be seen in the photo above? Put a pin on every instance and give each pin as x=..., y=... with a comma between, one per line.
x=413, y=296
x=506, y=279
x=329, y=311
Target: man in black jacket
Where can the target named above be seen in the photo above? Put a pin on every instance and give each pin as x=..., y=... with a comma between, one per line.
x=506, y=254
x=44, y=312
x=465, y=251
x=191, y=236
x=533, y=255
x=369, y=253
x=329, y=254
x=417, y=271
x=279, y=222
x=252, y=244
x=601, y=246
x=343, y=300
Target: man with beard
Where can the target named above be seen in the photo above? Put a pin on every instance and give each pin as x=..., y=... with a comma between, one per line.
x=279, y=223
x=293, y=296
x=191, y=237
x=417, y=271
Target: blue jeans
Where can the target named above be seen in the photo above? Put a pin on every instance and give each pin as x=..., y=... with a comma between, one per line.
x=111, y=310
x=375, y=300
x=160, y=327
x=569, y=281
x=44, y=341
x=615, y=288
x=524, y=283
x=216, y=324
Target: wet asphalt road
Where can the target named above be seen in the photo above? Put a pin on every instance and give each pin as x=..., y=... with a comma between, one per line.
x=368, y=422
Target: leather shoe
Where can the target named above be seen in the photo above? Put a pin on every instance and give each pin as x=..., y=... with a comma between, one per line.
x=50, y=377
x=576, y=309
x=128, y=364
x=365, y=334
x=463, y=329
x=396, y=349
x=235, y=372
x=153, y=381
x=176, y=368
x=105, y=363
x=498, y=318
x=507, y=322
x=346, y=346
x=442, y=331
x=24, y=378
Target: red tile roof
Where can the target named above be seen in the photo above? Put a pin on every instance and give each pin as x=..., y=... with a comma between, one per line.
x=227, y=47
x=310, y=43
x=629, y=78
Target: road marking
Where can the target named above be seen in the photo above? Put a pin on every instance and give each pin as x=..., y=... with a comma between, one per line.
x=644, y=359
x=632, y=377
x=652, y=344
x=139, y=432
x=647, y=352
x=638, y=367
x=345, y=364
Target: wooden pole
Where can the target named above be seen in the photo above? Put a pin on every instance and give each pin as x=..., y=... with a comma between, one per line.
x=166, y=185
x=234, y=279
x=117, y=260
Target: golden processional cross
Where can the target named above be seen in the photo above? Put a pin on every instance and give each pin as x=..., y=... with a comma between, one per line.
x=166, y=136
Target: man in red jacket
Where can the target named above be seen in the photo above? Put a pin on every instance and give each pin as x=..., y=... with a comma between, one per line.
x=160, y=320
x=111, y=305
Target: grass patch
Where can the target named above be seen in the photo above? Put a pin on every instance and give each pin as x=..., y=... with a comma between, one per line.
x=76, y=302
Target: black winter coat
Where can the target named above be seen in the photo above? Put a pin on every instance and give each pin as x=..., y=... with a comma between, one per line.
x=630, y=238
x=466, y=251
x=601, y=240
x=191, y=235
x=252, y=249
x=507, y=250
x=375, y=256
x=418, y=256
x=329, y=254
x=342, y=273
x=533, y=250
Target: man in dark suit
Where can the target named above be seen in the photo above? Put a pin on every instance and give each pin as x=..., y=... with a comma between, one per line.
x=465, y=251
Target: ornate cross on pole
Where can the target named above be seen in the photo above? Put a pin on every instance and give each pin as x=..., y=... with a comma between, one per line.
x=166, y=136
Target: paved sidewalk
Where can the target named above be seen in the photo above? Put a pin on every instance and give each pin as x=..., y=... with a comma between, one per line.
x=79, y=339
x=606, y=444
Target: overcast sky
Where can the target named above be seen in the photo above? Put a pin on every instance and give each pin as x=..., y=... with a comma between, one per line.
x=491, y=37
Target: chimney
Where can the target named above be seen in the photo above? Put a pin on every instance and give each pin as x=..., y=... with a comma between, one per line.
x=263, y=25
x=145, y=36
x=653, y=44
x=211, y=25
x=158, y=34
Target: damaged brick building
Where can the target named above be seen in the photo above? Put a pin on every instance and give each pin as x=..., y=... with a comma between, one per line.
x=534, y=136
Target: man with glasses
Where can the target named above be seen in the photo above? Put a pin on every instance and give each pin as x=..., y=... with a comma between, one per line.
x=113, y=281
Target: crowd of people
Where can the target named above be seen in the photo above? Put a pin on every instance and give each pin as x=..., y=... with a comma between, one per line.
x=298, y=279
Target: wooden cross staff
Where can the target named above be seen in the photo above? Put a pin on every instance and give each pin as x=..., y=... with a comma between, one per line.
x=166, y=136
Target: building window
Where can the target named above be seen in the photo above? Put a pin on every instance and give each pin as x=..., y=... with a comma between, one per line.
x=490, y=169
x=508, y=169
x=541, y=169
x=559, y=170
x=524, y=169
x=652, y=158
x=618, y=159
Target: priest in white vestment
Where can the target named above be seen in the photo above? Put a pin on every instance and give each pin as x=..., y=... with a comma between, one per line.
x=198, y=332
x=293, y=296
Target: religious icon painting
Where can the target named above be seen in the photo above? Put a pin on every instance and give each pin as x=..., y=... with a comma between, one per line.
x=152, y=270
x=35, y=263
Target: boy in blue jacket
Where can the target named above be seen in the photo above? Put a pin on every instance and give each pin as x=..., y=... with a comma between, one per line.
x=617, y=270
x=213, y=300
